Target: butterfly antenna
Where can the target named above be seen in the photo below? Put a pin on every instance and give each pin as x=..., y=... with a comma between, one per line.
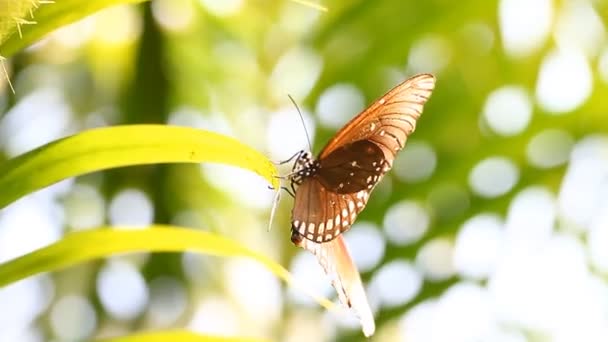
x=303, y=124
x=275, y=203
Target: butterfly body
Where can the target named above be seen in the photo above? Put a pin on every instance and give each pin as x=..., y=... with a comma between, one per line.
x=334, y=188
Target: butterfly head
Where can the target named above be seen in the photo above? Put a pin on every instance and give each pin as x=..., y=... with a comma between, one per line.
x=304, y=166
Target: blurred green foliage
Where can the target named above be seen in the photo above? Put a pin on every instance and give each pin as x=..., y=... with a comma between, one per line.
x=225, y=64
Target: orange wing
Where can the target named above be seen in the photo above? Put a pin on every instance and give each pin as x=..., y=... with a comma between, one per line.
x=388, y=121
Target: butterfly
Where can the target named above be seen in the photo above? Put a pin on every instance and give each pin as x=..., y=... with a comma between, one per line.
x=331, y=190
x=334, y=188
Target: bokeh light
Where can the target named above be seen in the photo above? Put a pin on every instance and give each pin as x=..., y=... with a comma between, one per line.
x=564, y=81
x=84, y=207
x=524, y=25
x=549, y=148
x=295, y=73
x=493, y=176
x=122, y=290
x=396, y=283
x=366, y=245
x=491, y=226
x=73, y=318
x=508, y=110
x=478, y=246
x=131, y=207
x=406, y=222
x=416, y=163
x=168, y=301
x=215, y=315
x=338, y=104
x=435, y=259
x=430, y=54
x=309, y=274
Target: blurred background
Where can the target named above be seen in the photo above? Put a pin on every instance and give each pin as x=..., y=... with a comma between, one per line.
x=492, y=226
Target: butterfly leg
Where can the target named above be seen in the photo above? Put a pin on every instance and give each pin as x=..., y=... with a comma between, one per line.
x=291, y=193
x=286, y=189
x=297, y=154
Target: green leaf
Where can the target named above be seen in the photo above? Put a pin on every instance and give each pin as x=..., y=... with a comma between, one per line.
x=48, y=17
x=178, y=335
x=84, y=246
x=117, y=146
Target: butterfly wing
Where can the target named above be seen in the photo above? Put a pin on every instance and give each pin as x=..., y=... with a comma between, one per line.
x=389, y=120
x=356, y=159
x=353, y=167
x=320, y=215
x=339, y=266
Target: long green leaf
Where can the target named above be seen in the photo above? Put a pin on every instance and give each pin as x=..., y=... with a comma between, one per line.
x=178, y=335
x=51, y=16
x=83, y=246
x=104, y=148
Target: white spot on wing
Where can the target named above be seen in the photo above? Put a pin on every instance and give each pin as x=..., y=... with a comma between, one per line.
x=321, y=228
x=311, y=228
x=302, y=228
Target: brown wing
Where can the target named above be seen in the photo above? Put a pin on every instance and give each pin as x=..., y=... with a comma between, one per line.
x=388, y=121
x=321, y=215
x=352, y=167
